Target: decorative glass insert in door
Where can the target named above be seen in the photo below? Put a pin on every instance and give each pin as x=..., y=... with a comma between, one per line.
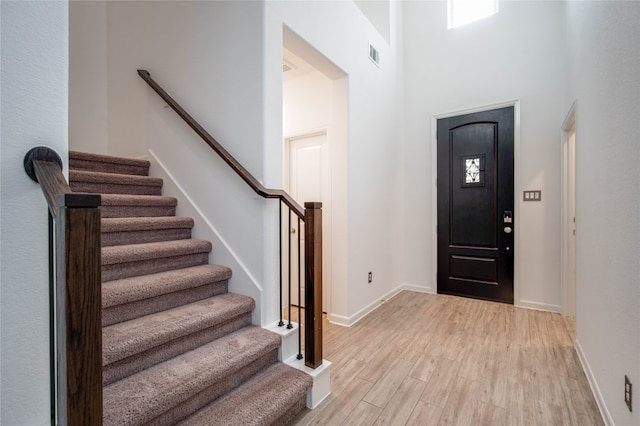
x=472, y=170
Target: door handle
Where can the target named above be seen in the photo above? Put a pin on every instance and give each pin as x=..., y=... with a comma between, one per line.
x=507, y=230
x=293, y=230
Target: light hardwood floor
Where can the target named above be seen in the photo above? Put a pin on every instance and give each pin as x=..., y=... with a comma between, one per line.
x=424, y=359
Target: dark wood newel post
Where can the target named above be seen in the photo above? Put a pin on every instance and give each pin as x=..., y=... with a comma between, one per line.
x=75, y=291
x=313, y=284
x=79, y=318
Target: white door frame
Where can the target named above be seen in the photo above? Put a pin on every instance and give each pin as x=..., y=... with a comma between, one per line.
x=568, y=214
x=326, y=204
x=516, y=190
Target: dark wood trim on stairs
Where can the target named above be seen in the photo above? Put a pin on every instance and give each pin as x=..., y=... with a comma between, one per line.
x=313, y=284
x=77, y=289
x=313, y=232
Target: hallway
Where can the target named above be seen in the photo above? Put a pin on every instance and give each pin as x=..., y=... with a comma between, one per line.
x=424, y=359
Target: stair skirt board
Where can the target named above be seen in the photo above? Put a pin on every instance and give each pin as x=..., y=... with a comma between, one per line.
x=177, y=346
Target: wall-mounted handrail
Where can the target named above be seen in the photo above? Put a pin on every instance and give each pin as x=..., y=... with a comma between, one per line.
x=222, y=152
x=74, y=291
x=311, y=215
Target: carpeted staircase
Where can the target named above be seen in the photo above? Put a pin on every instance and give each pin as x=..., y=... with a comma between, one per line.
x=177, y=347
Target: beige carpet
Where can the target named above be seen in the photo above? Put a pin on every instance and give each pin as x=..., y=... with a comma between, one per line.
x=177, y=346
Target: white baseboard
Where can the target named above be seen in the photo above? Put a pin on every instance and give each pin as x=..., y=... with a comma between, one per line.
x=351, y=320
x=604, y=412
x=418, y=288
x=348, y=321
x=538, y=306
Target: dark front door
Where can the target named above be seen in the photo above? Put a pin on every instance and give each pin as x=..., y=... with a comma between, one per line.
x=475, y=205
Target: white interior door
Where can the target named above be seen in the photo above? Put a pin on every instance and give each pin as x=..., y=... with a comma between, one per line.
x=569, y=213
x=307, y=178
x=570, y=307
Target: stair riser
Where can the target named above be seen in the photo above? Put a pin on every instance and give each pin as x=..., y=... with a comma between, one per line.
x=125, y=312
x=274, y=396
x=112, y=188
x=135, y=269
x=293, y=411
x=109, y=239
x=137, y=211
x=220, y=388
x=138, y=362
x=98, y=166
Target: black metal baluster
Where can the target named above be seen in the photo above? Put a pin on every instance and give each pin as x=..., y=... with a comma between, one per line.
x=53, y=367
x=281, y=322
x=299, y=297
x=289, y=325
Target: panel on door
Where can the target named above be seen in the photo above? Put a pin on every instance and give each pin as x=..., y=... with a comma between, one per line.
x=475, y=205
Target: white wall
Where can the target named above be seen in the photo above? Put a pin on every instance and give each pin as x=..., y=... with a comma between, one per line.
x=507, y=57
x=230, y=79
x=88, y=76
x=34, y=112
x=373, y=165
x=377, y=11
x=208, y=56
x=603, y=52
x=222, y=60
x=307, y=103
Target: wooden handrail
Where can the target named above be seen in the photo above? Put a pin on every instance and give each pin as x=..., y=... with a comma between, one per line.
x=75, y=290
x=311, y=215
x=46, y=162
x=223, y=153
x=52, y=183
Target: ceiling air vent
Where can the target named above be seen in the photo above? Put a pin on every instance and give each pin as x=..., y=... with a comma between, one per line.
x=374, y=55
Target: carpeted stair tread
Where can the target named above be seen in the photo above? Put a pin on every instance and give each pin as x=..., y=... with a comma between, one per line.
x=107, y=163
x=128, y=338
x=138, y=252
x=123, y=224
x=113, y=183
x=131, y=298
x=138, y=230
x=125, y=205
x=262, y=400
x=142, y=259
x=151, y=393
x=133, y=289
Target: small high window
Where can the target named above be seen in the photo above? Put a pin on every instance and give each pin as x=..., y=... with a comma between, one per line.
x=461, y=12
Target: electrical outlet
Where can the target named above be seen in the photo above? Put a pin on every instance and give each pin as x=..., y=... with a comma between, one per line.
x=628, y=394
x=370, y=277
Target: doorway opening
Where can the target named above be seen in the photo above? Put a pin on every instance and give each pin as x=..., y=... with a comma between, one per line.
x=314, y=154
x=307, y=176
x=569, y=213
